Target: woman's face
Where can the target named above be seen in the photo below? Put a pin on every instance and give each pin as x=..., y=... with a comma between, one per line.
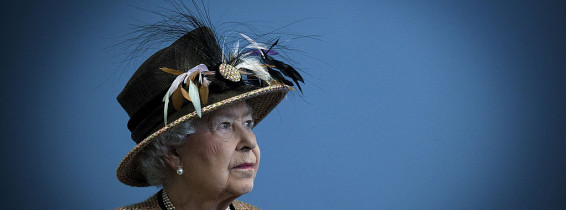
x=223, y=155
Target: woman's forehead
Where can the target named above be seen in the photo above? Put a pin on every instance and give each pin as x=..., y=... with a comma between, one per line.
x=240, y=109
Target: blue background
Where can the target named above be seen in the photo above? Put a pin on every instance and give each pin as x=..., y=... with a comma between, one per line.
x=408, y=105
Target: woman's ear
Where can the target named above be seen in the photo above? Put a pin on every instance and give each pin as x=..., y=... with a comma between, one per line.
x=172, y=158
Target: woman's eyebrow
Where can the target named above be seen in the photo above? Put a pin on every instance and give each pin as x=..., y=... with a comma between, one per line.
x=228, y=114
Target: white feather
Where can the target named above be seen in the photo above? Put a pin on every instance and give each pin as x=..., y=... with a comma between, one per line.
x=256, y=67
x=183, y=78
x=235, y=50
x=223, y=44
x=194, y=94
x=253, y=44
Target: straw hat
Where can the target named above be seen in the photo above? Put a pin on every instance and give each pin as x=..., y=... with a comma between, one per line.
x=193, y=77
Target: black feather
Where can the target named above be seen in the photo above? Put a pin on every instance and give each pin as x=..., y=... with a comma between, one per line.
x=286, y=69
x=264, y=54
x=176, y=21
x=278, y=76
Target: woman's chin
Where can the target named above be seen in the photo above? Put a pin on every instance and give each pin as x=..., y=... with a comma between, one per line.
x=241, y=187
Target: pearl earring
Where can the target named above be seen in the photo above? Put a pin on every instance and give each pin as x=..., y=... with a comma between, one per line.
x=179, y=170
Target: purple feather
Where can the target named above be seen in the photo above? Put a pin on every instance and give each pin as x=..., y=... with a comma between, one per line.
x=257, y=52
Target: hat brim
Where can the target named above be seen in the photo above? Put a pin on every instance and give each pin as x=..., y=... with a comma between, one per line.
x=262, y=101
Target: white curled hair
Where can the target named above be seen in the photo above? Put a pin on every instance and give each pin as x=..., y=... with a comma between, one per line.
x=151, y=160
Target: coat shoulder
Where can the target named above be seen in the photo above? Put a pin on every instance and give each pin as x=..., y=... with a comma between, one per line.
x=150, y=203
x=239, y=205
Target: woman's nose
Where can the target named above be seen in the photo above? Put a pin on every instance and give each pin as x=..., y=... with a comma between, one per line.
x=246, y=137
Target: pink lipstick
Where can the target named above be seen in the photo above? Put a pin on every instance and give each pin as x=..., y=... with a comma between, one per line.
x=245, y=166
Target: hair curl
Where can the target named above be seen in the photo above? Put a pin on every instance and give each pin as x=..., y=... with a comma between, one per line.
x=151, y=160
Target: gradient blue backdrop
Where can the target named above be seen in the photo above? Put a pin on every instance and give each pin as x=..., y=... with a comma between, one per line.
x=408, y=105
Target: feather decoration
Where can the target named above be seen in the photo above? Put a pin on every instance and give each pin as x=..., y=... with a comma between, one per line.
x=176, y=90
x=171, y=71
x=185, y=94
x=279, y=77
x=177, y=98
x=286, y=69
x=258, y=52
x=203, y=89
x=265, y=53
x=253, y=64
x=253, y=46
x=176, y=84
x=194, y=94
x=265, y=69
x=236, y=48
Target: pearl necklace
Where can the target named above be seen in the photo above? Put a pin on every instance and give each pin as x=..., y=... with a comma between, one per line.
x=167, y=202
x=169, y=205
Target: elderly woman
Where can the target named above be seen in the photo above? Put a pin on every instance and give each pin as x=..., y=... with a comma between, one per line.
x=192, y=110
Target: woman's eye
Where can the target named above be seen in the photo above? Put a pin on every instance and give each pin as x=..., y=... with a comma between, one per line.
x=249, y=124
x=224, y=125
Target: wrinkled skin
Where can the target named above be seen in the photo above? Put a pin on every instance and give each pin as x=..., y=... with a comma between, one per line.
x=220, y=161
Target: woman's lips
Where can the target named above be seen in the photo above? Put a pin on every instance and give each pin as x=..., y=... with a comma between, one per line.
x=245, y=166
